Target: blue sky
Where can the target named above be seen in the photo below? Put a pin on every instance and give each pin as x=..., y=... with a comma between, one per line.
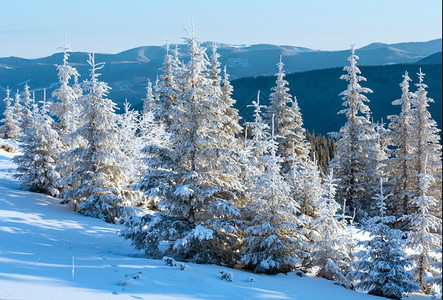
x=35, y=28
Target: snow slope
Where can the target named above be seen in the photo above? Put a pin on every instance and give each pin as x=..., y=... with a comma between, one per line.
x=48, y=252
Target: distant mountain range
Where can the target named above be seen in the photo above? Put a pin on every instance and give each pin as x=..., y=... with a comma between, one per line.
x=127, y=72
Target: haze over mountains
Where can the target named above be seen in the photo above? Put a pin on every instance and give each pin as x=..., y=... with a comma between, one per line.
x=127, y=72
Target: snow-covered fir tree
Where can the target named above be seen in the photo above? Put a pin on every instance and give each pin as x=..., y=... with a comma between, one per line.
x=67, y=108
x=304, y=179
x=355, y=160
x=273, y=242
x=259, y=131
x=149, y=101
x=381, y=265
x=166, y=89
x=11, y=125
x=382, y=146
x=400, y=166
x=199, y=187
x=424, y=234
x=40, y=144
x=129, y=142
x=427, y=145
x=329, y=256
x=95, y=188
x=231, y=123
x=26, y=111
x=223, y=95
x=288, y=121
x=18, y=109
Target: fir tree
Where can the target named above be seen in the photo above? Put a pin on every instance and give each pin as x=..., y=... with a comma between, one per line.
x=304, y=179
x=401, y=165
x=381, y=268
x=355, y=158
x=426, y=145
x=273, y=241
x=40, y=146
x=288, y=121
x=18, y=110
x=329, y=256
x=424, y=236
x=260, y=133
x=26, y=112
x=166, y=89
x=148, y=102
x=95, y=188
x=199, y=189
x=11, y=127
x=67, y=109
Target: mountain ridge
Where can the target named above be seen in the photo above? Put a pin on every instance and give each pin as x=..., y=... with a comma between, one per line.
x=127, y=72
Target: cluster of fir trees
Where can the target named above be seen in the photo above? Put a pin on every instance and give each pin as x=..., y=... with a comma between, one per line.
x=407, y=155
x=260, y=202
x=279, y=213
x=78, y=148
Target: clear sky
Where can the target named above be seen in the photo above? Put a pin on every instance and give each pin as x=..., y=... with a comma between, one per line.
x=35, y=28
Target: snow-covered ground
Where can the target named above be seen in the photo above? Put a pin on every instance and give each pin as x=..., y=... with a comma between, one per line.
x=48, y=252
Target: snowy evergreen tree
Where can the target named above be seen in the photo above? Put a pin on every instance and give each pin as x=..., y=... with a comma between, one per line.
x=273, y=241
x=355, y=158
x=166, y=89
x=424, y=237
x=95, y=188
x=427, y=146
x=40, y=146
x=18, y=110
x=401, y=171
x=200, y=186
x=288, y=121
x=232, y=118
x=381, y=268
x=306, y=189
x=129, y=142
x=259, y=130
x=11, y=127
x=330, y=259
x=67, y=109
x=27, y=109
x=148, y=102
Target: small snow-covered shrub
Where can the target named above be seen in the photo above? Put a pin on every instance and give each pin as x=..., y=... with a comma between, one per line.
x=173, y=263
x=226, y=275
x=169, y=261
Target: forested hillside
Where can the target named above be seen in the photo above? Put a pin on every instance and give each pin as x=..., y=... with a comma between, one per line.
x=318, y=91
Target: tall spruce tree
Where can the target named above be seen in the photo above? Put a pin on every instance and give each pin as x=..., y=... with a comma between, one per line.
x=355, y=158
x=165, y=91
x=425, y=135
x=274, y=243
x=400, y=166
x=95, y=188
x=66, y=109
x=291, y=136
x=201, y=187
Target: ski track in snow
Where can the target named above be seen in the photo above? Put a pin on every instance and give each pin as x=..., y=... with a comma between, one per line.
x=49, y=252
